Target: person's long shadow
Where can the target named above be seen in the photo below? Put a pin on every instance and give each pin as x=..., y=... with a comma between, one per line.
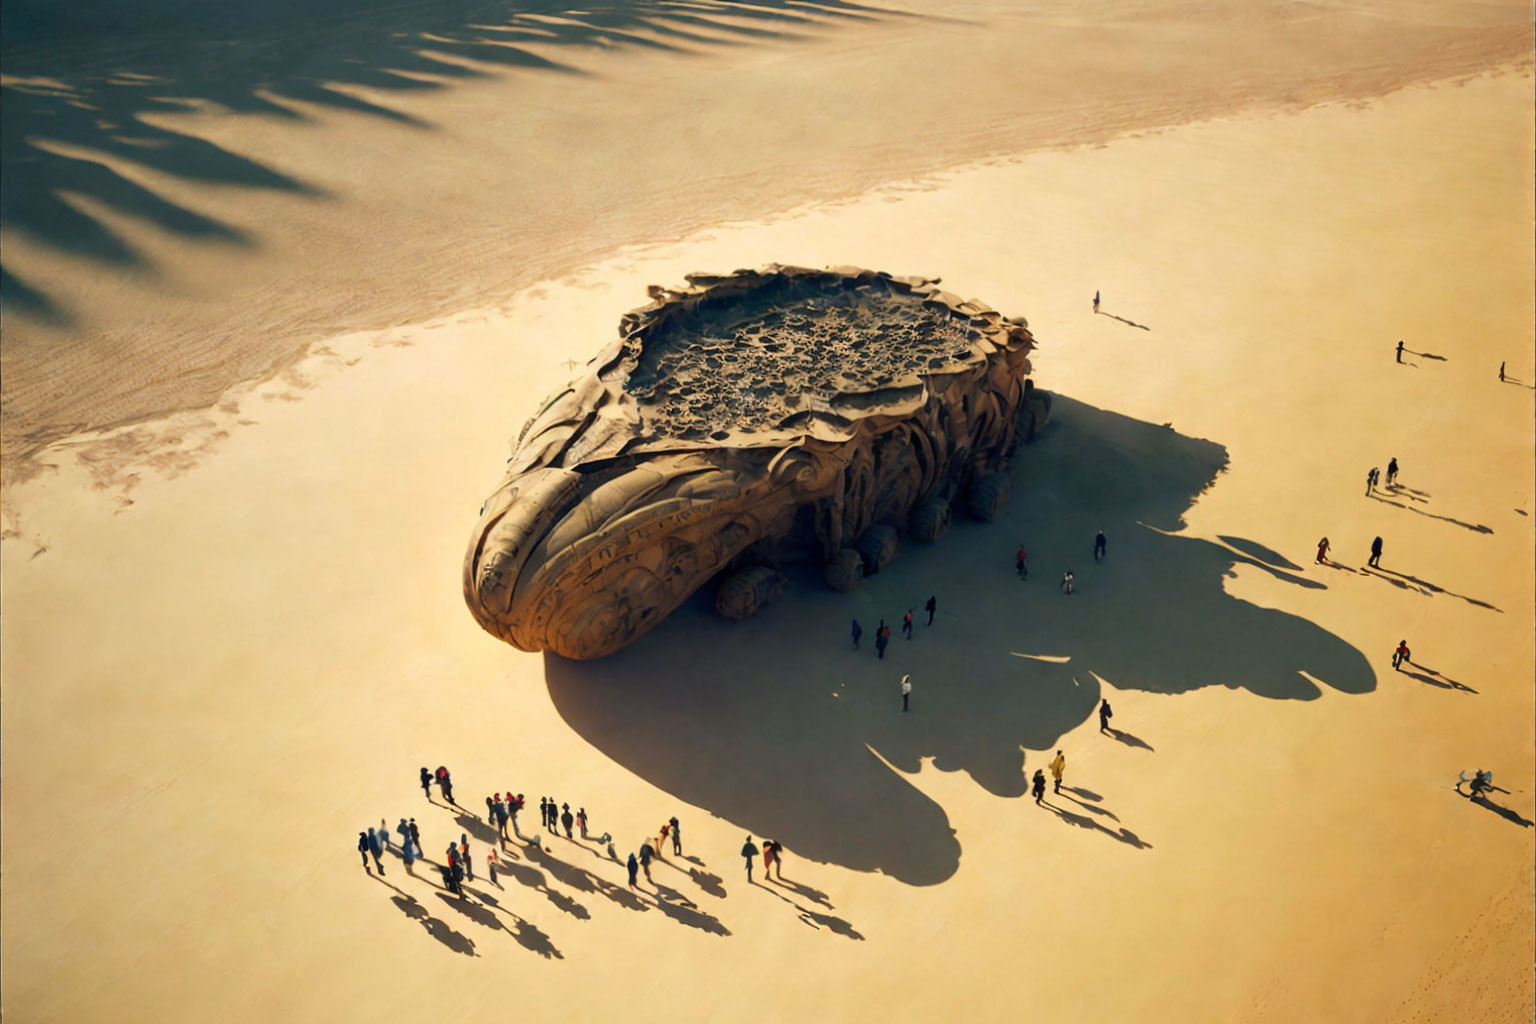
x=1474, y=527
x=1434, y=678
x=1123, y=834
x=1123, y=320
x=534, y=879
x=527, y=934
x=814, y=918
x=1508, y=814
x=1128, y=739
x=773, y=724
x=583, y=880
x=684, y=911
x=1425, y=587
x=439, y=930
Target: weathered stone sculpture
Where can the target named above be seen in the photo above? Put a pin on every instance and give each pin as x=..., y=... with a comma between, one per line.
x=744, y=420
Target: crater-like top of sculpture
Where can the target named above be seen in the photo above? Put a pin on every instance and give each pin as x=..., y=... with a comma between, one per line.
x=786, y=345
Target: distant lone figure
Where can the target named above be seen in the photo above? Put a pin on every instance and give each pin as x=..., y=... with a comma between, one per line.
x=677, y=836
x=882, y=637
x=1392, y=472
x=1095, y=302
x=1100, y=546
x=931, y=607
x=1375, y=552
x=749, y=850
x=1021, y=564
x=1058, y=765
x=1066, y=581
x=1104, y=715
x=1399, y=351
x=1401, y=655
x=906, y=624
x=1322, y=552
x=856, y=632
x=906, y=691
x=1039, y=785
x=1501, y=371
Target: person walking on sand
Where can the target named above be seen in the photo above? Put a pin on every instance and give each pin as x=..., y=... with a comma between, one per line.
x=634, y=870
x=1399, y=351
x=1021, y=562
x=1066, y=581
x=416, y=838
x=1039, y=785
x=661, y=840
x=469, y=862
x=567, y=819
x=906, y=624
x=1095, y=302
x=445, y=783
x=1501, y=372
x=1392, y=472
x=405, y=834
x=426, y=782
x=931, y=607
x=882, y=637
x=1375, y=558
x=677, y=836
x=1322, y=552
x=778, y=860
x=514, y=807
x=1104, y=715
x=646, y=853
x=856, y=632
x=375, y=849
x=543, y=812
x=409, y=856
x=1370, y=480
x=749, y=850
x=906, y=691
x=1401, y=655
x=362, y=848
x=490, y=809
x=492, y=859
x=767, y=860
x=581, y=821
x=1100, y=546
x=1058, y=766
x=503, y=815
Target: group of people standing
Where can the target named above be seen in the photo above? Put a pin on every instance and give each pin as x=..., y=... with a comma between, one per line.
x=883, y=632
x=773, y=856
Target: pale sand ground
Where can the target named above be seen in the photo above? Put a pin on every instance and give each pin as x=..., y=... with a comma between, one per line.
x=209, y=690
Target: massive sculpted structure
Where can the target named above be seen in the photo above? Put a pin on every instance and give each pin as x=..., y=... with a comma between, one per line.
x=747, y=419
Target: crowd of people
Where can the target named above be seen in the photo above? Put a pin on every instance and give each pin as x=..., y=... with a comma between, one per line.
x=501, y=811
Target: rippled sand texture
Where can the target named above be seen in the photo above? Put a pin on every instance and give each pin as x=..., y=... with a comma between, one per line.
x=192, y=197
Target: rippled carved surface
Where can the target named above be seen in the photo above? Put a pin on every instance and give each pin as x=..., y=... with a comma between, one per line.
x=742, y=419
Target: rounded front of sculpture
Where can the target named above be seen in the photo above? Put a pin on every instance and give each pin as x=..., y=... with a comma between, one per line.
x=742, y=420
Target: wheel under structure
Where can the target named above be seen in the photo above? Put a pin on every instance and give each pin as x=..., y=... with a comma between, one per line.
x=930, y=520
x=988, y=495
x=879, y=545
x=845, y=570
x=745, y=591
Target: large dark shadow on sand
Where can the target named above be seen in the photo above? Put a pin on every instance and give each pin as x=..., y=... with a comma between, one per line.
x=776, y=724
x=85, y=81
